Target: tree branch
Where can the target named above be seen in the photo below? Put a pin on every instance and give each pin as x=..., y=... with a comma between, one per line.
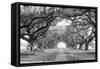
x=24, y=38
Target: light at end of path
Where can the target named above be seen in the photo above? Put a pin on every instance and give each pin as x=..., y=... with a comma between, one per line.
x=61, y=45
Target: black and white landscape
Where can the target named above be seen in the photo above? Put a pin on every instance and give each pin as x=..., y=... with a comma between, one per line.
x=54, y=34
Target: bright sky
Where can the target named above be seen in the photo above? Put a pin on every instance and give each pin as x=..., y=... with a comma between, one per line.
x=60, y=26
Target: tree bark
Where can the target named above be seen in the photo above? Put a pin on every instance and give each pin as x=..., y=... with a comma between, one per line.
x=81, y=45
x=88, y=41
x=24, y=38
x=86, y=45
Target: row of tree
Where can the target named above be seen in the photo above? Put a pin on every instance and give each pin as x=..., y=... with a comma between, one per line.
x=35, y=22
x=82, y=31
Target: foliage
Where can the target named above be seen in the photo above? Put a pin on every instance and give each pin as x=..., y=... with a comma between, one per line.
x=35, y=22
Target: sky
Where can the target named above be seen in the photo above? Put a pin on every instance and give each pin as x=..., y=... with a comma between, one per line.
x=61, y=26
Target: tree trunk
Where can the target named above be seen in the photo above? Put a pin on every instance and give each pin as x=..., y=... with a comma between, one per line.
x=87, y=42
x=31, y=45
x=86, y=45
x=81, y=45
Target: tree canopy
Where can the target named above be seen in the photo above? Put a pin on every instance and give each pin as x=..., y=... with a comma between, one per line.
x=36, y=22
